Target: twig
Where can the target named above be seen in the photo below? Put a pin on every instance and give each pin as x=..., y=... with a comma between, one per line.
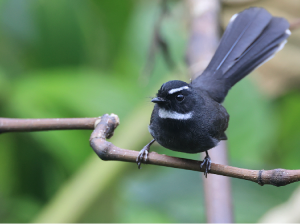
x=15, y=125
x=107, y=151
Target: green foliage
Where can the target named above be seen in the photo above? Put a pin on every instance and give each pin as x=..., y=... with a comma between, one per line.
x=251, y=126
x=285, y=149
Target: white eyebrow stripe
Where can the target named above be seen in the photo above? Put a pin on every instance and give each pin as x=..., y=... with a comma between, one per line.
x=178, y=89
x=162, y=113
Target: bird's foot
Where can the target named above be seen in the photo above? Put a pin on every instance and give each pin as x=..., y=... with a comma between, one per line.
x=143, y=155
x=207, y=163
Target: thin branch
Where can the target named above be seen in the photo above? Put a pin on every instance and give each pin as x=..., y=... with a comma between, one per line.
x=16, y=125
x=107, y=151
x=105, y=127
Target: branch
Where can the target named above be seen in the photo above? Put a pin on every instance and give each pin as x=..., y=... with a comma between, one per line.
x=104, y=128
x=15, y=125
x=107, y=151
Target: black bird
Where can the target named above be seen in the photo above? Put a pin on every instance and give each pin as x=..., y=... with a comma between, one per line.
x=189, y=117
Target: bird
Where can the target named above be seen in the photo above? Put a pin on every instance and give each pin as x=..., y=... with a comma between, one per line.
x=190, y=117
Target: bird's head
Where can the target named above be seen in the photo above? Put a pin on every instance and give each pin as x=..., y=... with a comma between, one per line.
x=175, y=96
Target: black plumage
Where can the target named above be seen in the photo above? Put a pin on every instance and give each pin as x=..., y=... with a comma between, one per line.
x=248, y=41
x=189, y=117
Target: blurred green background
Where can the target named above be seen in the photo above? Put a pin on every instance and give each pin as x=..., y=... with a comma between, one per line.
x=84, y=58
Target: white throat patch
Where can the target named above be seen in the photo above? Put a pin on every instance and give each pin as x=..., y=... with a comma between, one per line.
x=162, y=113
x=178, y=89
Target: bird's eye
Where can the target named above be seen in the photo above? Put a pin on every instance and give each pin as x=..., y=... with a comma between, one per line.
x=179, y=97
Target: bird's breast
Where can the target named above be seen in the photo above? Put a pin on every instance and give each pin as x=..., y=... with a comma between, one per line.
x=183, y=135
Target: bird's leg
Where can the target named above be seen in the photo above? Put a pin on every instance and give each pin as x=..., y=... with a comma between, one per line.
x=143, y=155
x=207, y=163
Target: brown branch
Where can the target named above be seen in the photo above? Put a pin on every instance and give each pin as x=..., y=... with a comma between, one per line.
x=107, y=151
x=105, y=127
x=15, y=125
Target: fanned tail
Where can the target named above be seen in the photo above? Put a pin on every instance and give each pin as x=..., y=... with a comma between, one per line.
x=251, y=38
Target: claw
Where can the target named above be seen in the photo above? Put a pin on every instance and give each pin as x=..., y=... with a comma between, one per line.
x=143, y=155
x=207, y=163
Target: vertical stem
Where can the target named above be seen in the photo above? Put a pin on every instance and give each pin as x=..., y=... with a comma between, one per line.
x=203, y=42
x=204, y=34
x=217, y=189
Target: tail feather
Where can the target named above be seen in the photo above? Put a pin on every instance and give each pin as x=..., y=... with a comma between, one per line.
x=242, y=31
x=251, y=38
x=263, y=49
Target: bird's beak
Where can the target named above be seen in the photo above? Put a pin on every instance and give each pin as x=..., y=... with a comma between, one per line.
x=158, y=100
